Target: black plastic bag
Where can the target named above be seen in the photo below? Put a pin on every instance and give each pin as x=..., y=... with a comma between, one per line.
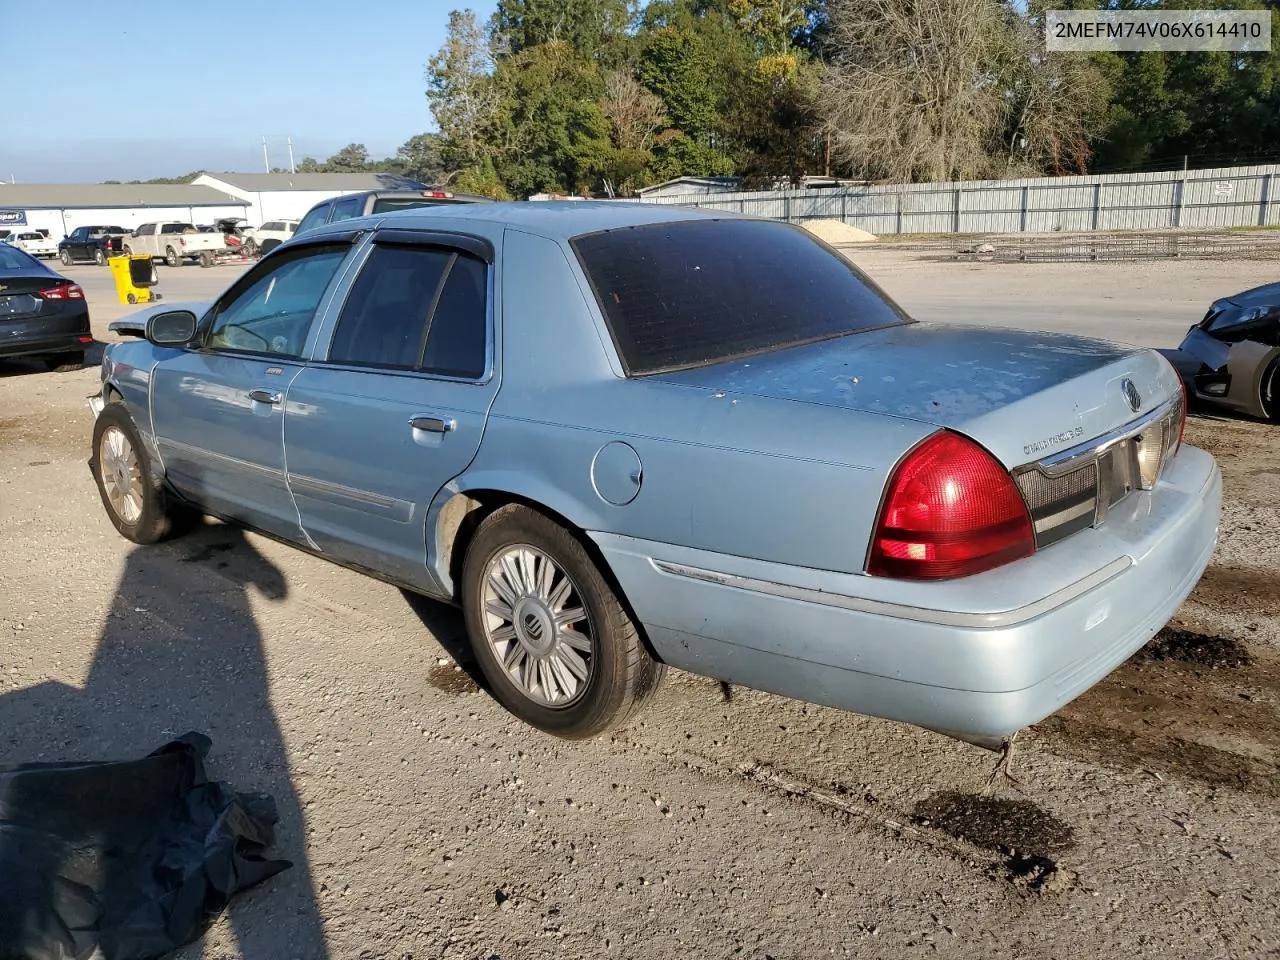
x=134, y=858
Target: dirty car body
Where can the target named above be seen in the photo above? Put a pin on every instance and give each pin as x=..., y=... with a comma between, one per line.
x=787, y=482
x=1231, y=358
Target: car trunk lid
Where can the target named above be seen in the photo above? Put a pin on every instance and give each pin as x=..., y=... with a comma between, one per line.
x=1023, y=395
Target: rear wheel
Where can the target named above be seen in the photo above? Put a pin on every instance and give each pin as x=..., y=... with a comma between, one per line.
x=269, y=245
x=555, y=643
x=137, y=503
x=127, y=250
x=206, y=258
x=171, y=257
x=99, y=257
x=66, y=362
x=65, y=256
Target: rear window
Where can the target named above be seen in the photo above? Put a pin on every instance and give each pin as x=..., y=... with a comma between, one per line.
x=387, y=204
x=686, y=294
x=11, y=258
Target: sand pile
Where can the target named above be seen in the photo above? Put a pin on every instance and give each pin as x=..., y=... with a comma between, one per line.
x=836, y=231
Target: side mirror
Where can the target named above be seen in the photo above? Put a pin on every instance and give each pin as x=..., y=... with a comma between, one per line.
x=174, y=328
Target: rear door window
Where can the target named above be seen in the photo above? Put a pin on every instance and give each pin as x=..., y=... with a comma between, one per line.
x=346, y=208
x=416, y=308
x=696, y=292
x=315, y=217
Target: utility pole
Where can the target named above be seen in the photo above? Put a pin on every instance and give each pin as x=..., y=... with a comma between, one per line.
x=266, y=162
x=292, y=168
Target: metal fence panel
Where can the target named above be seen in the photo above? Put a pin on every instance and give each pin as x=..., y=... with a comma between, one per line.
x=1217, y=198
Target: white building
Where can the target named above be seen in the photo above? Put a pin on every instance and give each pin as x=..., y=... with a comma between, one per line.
x=288, y=196
x=61, y=207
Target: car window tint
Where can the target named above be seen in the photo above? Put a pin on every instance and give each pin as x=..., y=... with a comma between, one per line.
x=459, y=332
x=346, y=208
x=271, y=309
x=385, y=316
x=694, y=292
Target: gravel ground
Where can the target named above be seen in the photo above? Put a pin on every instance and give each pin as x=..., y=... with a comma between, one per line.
x=424, y=822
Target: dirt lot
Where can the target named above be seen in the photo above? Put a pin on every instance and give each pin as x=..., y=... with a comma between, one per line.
x=424, y=822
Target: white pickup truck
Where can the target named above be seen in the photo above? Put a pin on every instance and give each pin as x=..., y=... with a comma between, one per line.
x=175, y=242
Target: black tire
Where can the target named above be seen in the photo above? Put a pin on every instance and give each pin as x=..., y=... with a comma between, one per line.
x=622, y=676
x=1271, y=392
x=99, y=257
x=250, y=248
x=206, y=258
x=171, y=258
x=65, y=256
x=159, y=516
x=65, y=362
x=127, y=250
x=269, y=245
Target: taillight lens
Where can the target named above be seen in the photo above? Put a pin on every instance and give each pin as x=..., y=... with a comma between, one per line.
x=69, y=291
x=951, y=510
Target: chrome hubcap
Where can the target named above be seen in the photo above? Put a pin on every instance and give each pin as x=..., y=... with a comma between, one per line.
x=537, y=626
x=121, y=474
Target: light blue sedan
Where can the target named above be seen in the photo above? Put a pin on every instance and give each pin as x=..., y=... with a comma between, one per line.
x=624, y=436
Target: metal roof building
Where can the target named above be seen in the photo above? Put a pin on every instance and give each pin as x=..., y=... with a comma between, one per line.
x=61, y=207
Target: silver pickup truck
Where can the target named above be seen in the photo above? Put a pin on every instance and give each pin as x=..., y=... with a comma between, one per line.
x=175, y=242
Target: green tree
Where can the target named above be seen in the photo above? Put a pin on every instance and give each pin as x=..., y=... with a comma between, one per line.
x=466, y=99
x=419, y=157
x=588, y=26
x=353, y=157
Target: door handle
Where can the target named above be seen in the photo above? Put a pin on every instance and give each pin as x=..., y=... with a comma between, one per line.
x=432, y=424
x=265, y=396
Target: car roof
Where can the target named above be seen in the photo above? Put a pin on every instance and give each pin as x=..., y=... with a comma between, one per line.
x=553, y=219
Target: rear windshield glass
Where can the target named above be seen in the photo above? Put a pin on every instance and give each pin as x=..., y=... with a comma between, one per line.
x=678, y=295
x=13, y=259
x=387, y=204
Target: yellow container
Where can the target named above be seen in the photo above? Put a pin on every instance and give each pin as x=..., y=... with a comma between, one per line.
x=135, y=278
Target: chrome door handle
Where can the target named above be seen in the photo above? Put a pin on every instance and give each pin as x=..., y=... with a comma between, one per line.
x=265, y=396
x=432, y=424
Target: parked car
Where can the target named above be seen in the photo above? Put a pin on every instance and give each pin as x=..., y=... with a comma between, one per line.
x=42, y=313
x=618, y=442
x=95, y=243
x=37, y=244
x=1231, y=358
x=271, y=234
x=379, y=201
x=175, y=242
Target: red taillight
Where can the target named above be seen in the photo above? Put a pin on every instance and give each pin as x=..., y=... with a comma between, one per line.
x=70, y=291
x=951, y=510
x=437, y=194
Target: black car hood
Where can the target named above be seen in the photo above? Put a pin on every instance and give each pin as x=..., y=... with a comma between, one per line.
x=1264, y=295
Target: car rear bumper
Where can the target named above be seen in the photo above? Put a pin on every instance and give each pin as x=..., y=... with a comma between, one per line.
x=63, y=332
x=973, y=673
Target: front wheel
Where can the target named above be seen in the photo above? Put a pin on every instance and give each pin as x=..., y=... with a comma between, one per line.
x=552, y=638
x=1271, y=392
x=171, y=257
x=137, y=503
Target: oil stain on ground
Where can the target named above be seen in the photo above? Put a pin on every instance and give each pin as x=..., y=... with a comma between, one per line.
x=451, y=679
x=1198, y=707
x=1028, y=839
x=1241, y=589
x=1200, y=649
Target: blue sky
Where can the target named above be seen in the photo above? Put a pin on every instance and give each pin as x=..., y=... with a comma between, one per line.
x=202, y=83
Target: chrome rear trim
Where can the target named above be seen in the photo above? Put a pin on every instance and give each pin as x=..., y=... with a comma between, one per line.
x=902, y=611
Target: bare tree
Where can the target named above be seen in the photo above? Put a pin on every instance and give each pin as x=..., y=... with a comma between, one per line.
x=637, y=115
x=1058, y=104
x=914, y=87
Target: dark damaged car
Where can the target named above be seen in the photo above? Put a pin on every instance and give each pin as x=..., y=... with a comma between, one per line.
x=1232, y=356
